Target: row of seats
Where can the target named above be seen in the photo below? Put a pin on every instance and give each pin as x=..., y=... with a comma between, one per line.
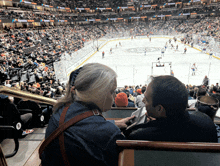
x=12, y=124
x=152, y=153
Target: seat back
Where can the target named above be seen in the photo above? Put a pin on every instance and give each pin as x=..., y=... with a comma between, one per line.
x=155, y=153
x=119, y=112
x=29, y=105
x=9, y=114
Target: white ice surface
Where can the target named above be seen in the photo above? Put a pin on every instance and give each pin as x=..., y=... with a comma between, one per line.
x=133, y=67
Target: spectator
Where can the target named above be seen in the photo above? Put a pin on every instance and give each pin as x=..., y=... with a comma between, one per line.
x=121, y=100
x=126, y=89
x=166, y=100
x=139, y=98
x=209, y=105
x=91, y=87
x=131, y=89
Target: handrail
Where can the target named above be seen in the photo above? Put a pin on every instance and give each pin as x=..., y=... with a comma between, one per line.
x=26, y=95
x=169, y=146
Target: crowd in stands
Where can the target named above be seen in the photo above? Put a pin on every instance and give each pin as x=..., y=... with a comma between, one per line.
x=27, y=55
x=30, y=15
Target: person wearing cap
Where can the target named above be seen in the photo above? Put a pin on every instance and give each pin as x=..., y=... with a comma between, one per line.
x=121, y=100
x=209, y=105
x=166, y=99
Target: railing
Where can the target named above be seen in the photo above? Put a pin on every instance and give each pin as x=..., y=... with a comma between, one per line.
x=26, y=95
x=157, y=153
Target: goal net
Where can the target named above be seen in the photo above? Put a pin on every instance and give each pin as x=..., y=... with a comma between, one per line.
x=161, y=68
x=158, y=69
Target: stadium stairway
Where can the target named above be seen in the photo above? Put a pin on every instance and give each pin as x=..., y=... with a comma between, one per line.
x=114, y=27
x=101, y=29
x=28, y=149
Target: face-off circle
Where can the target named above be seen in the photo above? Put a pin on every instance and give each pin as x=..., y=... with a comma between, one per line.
x=142, y=49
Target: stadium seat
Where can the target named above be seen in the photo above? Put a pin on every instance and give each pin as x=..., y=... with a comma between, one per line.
x=9, y=117
x=10, y=132
x=2, y=158
x=38, y=117
x=155, y=153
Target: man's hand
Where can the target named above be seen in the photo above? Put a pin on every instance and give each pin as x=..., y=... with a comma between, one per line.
x=123, y=123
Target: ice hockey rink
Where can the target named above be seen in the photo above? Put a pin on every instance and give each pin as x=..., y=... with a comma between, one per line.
x=133, y=67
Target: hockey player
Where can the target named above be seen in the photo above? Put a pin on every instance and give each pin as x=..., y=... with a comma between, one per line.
x=103, y=54
x=169, y=41
x=116, y=46
x=162, y=52
x=145, y=51
x=166, y=46
x=150, y=39
x=110, y=50
x=210, y=54
x=158, y=62
x=194, y=68
x=119, y=43
x=185, y=49
x=177, y=47
x=171, y=46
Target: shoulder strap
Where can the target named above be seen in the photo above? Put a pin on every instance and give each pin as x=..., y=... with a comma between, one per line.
x=64, y=126
x=61, y=137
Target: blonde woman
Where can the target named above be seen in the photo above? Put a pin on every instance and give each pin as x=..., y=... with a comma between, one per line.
x=91, y=141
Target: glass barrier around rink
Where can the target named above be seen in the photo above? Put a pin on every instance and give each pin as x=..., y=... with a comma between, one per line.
x=70, y=61
x=73, y=61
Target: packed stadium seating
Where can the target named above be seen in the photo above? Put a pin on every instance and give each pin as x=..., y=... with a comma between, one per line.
x=36, y=34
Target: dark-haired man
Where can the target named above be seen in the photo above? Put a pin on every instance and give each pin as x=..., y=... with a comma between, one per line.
x=166, y=100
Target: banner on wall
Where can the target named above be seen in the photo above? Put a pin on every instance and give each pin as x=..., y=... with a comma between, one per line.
x=44, y=20
x=145, y=6
x=18, y=20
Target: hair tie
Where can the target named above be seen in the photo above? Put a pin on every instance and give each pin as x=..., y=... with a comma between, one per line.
x=73, y=76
